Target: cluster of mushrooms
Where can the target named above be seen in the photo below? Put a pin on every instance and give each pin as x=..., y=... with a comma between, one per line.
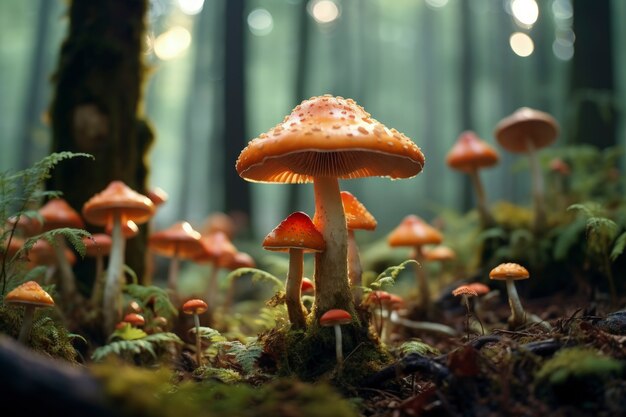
x=323, y=140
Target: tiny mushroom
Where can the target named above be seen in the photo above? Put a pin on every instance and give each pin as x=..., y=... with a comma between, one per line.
x=135, y=319
x=468, y=155
x=179, y=241
x=57, y=214
x=335, y=318
x=465, y=291
x=116, y=204
x=196, y=307
x=296, y=234
x=526, y=131
x=415, y=232
x=357, y=217
x=307, y=287
x=325, y=139
x=511, y=272
x=30, y=295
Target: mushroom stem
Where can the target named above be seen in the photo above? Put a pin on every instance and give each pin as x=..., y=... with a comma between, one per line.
x=518, y=315
x=338, y=347
x=27, y=323
x=112, y=308
x=486, y=218
x=355, y=270
x=331, y=267
x=212, y=290
x=172, y=276
x=422, y=280
x=293, y=288
x=196, y=322
x=68, y=281
x=423, y=325
x=537, y=187
x=96, y=292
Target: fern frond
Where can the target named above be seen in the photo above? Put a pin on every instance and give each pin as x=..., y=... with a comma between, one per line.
x=258, y=275
x=136, y=346
x=162, y=304
x=210, y=334
x=389, y=275
x=618, y=247
x=417, y=347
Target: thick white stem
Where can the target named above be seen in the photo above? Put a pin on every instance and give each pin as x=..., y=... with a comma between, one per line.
x=537, y=187
x=518, y=315
x=332, y=288
x=293, y=289
x=27, y=323
x=112, y=306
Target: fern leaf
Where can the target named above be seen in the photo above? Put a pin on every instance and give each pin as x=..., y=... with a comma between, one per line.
x=618, y=247
x=417, y=347
x=210, y=334
x=258, y=275
x=162, y=304
x=389, y=275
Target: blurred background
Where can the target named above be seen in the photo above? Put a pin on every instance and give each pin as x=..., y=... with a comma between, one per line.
x=222, y=72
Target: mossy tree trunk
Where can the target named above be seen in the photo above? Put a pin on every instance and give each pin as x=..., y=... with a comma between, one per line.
x=96, y=108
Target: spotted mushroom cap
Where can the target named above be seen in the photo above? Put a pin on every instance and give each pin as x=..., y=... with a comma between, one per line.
x=526, y=123
x=57, y=213
x=179, y=240
x=357, y=216
x=414, y=231
x=118, y=197
x=332, y=137
x=31, y=293
x=470, y=153
x=195, y=306
x=297, y=231
x=335, y=316
x=509, y=270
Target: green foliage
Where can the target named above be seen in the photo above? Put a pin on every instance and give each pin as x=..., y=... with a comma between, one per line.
x=417, y=346
x=577, y=362
x=240, y=356
x=128, y=348
x=210, y=335
x=224, y=375
x=618, y=247
x=258, y=275
x=388, y=277
x=154, y=297
x=128, y=332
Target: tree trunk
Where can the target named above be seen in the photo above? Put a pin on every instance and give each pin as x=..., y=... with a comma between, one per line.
x=95, y=109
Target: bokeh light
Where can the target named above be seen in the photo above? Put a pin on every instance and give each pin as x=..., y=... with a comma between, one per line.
x=324, y=11
x=191, y=7
x=436, y=3
x=525, y=12
x=260, y=22
x=169, y=45
x=521, y=44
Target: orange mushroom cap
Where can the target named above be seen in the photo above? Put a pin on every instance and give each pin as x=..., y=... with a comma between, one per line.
x=470, y=153
x=357, y=216
x=98, y=244
x=329, y=136
x=134, y=319
x=42, y=253
x=180, y=240
x=29, y=292
x=239, y=260
x=195, y=306
x=509, y=270
x=480, y=288
x=395, y=301
x=219, y=222
x=118, y=197
x=526, y=124
x=414, y=231
x=217, y=248
x=379, y=296
x=297, y=231
x=15, y=244
x=29, y=225
x=439, y=253
x=335, y=316
x=57, y=213
x=129, y=228
x=307, y=286
x=158, y=196
x=464, y=289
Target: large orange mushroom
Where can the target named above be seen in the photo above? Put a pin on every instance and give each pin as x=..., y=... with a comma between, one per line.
x=414, y=232
x=469, y=154
x=296, y=234
x=322, y=140
x=117, y=203
x=526, y=131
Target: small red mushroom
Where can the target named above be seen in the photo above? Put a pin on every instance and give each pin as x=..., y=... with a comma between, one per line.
x=335, y=318
x=196, y=307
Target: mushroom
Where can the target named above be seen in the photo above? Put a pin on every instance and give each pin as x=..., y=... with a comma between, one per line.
x=439, y=253
x=296, y=234
x=468, y=155
x=511, y=272
x=219, y=222
x=217, y=249
x=30, y=295
x=134, y=319
x=179, y=241
x=381, y=300
x=357, y=217
x=465, y=291
x=158, y=196
x=413, y=231
x=57, y=214
x=118, y=204
x=307, y=287
x=129, y=229
x=335, y=318
x=44, y=254
x=325, y=139
x=98, y=246
x=526, y=131
x=196, y=307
